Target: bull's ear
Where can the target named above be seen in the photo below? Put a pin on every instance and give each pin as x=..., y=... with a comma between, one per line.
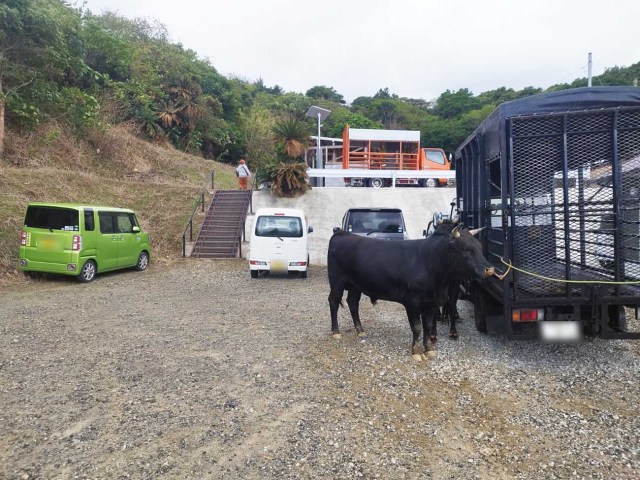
x=476, y=230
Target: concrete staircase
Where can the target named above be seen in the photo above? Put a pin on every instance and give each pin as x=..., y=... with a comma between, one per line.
x=222, y=228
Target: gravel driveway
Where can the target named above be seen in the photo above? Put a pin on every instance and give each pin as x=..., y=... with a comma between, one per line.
x=198, y=371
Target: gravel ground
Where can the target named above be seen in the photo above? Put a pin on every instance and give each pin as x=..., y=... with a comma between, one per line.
x=198, y=371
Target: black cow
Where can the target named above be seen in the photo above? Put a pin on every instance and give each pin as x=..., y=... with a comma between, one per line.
x=409, y=272
x=447, y=306
x=447, y=311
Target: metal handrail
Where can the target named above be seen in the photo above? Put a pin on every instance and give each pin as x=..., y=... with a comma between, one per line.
x=199, y=203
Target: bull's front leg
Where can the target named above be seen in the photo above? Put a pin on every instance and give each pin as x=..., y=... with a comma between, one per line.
x=418, y=352
x=416, y=329
x=428, y=315
x=431, y=326
x=353, y=300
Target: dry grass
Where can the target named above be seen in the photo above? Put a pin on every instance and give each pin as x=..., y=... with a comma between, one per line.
x=160, y=183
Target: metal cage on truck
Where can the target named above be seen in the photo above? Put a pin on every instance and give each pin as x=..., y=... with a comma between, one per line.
x=555, y=181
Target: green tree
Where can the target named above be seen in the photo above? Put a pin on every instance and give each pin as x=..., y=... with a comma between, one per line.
x=258, y=125
x=292, y=135
x=325, y=93
x=287, y=179
x=260, y=87
x=451, y=104
x=391, y=111
x=39, y=47
x=334, y=124
x=107, y=52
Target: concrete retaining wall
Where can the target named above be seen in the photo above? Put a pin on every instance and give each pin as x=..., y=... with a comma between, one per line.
x=325, y=208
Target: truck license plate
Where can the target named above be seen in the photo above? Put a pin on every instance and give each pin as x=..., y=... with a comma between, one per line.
x=560, y=332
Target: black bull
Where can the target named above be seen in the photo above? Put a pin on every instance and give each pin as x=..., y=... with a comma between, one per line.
x=410, y=272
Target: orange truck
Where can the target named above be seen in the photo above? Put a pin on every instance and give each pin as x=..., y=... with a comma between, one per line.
x=399, y=150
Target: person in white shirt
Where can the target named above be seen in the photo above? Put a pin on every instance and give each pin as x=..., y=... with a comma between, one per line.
x=243, y=173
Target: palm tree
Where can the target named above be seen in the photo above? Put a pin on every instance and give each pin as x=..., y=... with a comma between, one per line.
x=293, y=134
x=287, y=179
x=169, y=114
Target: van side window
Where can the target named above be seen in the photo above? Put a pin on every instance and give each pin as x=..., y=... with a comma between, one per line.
x=436, y=157
x=89, y=223
x=134, y=220
x=124, y=222
x=106, y=222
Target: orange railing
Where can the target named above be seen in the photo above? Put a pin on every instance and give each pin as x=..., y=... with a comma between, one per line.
x=383, y=160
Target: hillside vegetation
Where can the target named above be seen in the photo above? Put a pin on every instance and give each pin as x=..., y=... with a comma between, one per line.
x=160, y=183
x=105, y=109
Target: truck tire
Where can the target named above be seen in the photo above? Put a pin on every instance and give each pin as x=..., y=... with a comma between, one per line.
x=480, y=309
x=376, y=182
x=430, y=182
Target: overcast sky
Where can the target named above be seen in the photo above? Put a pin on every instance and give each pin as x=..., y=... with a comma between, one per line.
x=416, y=48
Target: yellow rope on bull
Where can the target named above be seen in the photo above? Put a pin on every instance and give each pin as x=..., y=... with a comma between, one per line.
x=510, y=265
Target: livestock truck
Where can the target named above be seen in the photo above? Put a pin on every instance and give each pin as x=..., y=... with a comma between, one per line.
x=554, y=179
x=390, y=150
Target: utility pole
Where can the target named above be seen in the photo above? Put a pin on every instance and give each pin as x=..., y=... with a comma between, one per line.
x=589, y=70
x=321, y=114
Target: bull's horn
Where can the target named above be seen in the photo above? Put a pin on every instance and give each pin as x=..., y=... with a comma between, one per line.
x=476, y=230
x=455, y=233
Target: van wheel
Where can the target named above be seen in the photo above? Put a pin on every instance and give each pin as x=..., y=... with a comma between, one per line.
x=254, y=273
x=143, y=261
x=88, y=272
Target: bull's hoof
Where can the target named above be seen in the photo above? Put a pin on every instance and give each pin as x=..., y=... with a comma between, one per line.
x=430, y=354
x=433, y=338
x=453, y=336
x=362, y=334
x=418, y=357
x=336, y=336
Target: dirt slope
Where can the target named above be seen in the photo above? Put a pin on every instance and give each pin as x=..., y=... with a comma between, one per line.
x=160, y=183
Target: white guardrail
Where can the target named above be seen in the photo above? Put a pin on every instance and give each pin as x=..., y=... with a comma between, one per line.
x=352, y=172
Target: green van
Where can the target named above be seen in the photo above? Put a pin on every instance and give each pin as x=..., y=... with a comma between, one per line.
x=81, y=240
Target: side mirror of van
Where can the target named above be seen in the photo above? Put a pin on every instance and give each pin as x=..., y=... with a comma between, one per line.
x=335, y=229
x=136, y=229
x=310, y=229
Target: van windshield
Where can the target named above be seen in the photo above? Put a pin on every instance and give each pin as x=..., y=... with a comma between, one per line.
x=375, y=221
x=279, y=226
x=52, y=218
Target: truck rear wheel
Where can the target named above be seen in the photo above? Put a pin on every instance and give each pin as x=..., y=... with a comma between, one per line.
x=430, y=183
x=480, y=309
x=376, y=182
